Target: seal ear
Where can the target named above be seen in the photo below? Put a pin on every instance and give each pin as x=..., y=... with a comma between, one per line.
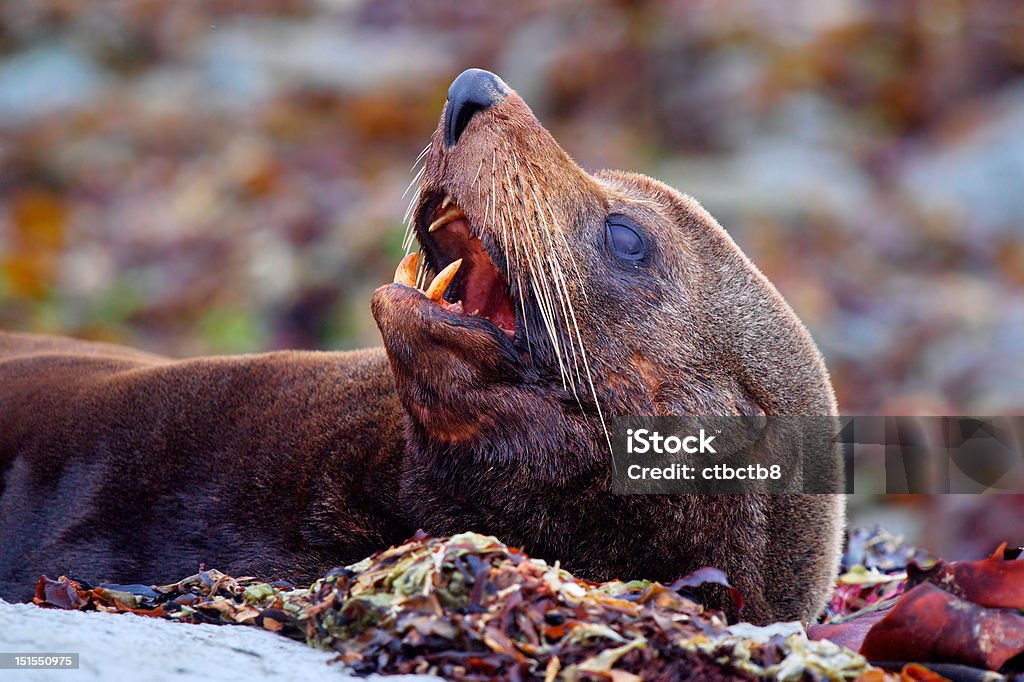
x=749, y=407
x=746, y=404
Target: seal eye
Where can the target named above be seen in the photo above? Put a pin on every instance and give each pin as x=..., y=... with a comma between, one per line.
x=624, y=238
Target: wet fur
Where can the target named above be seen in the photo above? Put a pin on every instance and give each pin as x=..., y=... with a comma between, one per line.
x=123, y=466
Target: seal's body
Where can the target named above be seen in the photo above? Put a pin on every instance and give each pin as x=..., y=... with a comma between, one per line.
x=556, y=300
x=122, y=466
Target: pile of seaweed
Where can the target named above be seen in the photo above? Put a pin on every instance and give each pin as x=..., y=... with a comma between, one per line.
x=470, y=608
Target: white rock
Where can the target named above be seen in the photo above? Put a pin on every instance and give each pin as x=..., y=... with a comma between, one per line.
x=129, y=647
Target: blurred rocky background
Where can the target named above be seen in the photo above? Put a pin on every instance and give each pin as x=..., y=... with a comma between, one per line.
x=227, y=175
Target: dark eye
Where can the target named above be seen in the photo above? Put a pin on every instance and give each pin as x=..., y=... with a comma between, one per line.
x=624, y=238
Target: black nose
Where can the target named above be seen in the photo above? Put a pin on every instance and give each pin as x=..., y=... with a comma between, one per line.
x=474, y=90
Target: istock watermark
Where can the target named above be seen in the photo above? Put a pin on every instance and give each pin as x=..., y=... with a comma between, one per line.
x=642, y=441
x=817, y=455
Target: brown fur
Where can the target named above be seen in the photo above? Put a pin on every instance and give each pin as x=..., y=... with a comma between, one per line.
x=125, y=466
x=496, y=444
x=122, y=466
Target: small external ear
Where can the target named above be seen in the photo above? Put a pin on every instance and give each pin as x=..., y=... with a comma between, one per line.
x=746, y=404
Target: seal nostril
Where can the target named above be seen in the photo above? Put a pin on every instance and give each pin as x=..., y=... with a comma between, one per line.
x=456, y=120
x=472, y=91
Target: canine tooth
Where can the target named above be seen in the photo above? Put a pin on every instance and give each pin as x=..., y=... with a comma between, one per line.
x=406, y=271
x=451, y=214
x=436, y=289
x=447, y=200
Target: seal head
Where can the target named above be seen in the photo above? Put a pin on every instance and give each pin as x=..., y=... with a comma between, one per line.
x=543, y=300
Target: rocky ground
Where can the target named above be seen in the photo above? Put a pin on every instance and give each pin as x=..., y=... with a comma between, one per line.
x=128, y=647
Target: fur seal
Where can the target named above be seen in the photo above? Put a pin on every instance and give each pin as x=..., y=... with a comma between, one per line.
x=542, y=300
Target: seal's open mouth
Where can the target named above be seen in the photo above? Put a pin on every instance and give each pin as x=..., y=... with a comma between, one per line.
x=467, y=282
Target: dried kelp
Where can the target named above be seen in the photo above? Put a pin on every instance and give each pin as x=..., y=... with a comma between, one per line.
x=470, y=608
x=875, y=548
x=967, y=612
x=963, y=615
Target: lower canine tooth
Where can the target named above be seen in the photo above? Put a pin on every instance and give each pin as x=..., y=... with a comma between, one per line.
x=406, y=271
x=436, y=289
